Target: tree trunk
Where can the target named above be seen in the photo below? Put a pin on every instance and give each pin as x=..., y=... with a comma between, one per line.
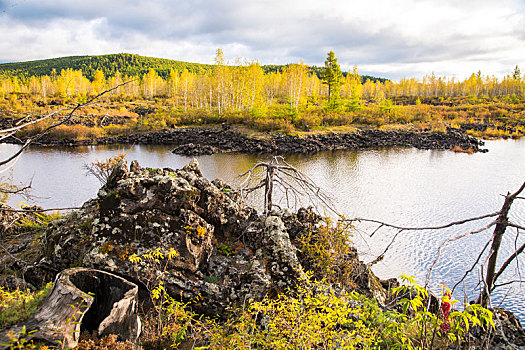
x=82, y=299
x=268, y=189
x=499, y=231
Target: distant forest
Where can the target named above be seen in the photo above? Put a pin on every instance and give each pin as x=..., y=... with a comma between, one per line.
x=126, y=64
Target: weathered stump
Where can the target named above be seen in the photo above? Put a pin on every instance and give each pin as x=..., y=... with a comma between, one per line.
x=82, y=299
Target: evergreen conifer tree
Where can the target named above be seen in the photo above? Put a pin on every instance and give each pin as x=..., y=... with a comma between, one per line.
x=332, y=77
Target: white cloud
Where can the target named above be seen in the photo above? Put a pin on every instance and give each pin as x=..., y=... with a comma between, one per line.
x=387, y=38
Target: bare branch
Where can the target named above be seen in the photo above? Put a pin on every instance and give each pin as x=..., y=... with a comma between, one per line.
x=511, y=224
x=516, y=194
x=69, y=116
x=21, y=126
x=380, y=256
x=429, y=274
x=377, y=229
x=37, y=210
x=507, y=283
x=281, y=176
x=497, y=237
x=16, y=190
x=473, y=265
x=507, y=262
x=454, y=223
x=11, y=255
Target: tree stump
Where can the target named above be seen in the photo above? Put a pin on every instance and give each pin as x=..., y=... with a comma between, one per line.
x=82, y=299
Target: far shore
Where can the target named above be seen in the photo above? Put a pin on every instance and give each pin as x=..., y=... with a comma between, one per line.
x=223, y=138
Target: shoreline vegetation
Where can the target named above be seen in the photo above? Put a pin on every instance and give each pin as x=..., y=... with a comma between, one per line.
x=260, y=101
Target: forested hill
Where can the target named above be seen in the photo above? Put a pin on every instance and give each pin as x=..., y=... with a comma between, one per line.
x=125, y=63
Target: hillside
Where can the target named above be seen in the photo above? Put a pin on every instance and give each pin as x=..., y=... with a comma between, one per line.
x=125, y=63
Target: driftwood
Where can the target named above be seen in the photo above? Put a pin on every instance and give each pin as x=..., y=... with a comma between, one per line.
x=82, y=299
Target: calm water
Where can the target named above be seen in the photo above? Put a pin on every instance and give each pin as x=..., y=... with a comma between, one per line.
x=407, y=187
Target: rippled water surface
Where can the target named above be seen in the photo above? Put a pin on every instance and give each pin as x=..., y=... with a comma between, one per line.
x=403, y=186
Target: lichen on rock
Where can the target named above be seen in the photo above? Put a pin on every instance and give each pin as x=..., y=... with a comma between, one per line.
x=226, y=252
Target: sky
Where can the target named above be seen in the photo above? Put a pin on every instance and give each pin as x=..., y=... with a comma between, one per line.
x=386, y=38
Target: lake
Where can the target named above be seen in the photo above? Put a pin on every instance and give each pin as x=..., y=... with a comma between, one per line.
x=402, y=186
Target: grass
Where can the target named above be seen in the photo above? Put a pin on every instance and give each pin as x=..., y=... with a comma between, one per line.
x=18, y=305
x=505, y=118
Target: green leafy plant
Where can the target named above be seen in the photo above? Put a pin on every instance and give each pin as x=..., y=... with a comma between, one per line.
x=313, y=317
x=21, y=341
x=327, y=250
x=39, y=221
x=18, y=305
x=225, y=249
x=415, y=327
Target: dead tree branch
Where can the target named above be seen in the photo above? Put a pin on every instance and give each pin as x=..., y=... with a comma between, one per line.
x=508, y=261
x=473, y=265
x=497, y=237
x=281, y=175
x=294, y=185
x=507, y=283
x=450, y=224
x=466, y=234
x=37, y=210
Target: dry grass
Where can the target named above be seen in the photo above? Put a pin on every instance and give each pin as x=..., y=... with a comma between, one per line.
x=459, y=149
x=76, y=132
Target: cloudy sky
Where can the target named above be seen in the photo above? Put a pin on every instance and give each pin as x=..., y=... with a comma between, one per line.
x=393, y=39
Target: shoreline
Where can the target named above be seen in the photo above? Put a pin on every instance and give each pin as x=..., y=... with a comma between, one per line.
x=203, y=141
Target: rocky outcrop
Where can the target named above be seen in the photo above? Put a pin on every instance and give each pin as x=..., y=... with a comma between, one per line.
x=211, y=247
x=194, y=141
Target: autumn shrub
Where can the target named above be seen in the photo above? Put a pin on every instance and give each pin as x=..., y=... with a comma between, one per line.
x=240, y=118
x=396, y=127
x=337, y=119
x=414, y=326
x=109, y=342
x=38, y=221
x=272, y=125
x=312, y=316
x=315, y=317
x=151, y=122
x=119, y=129
x=196, y=117
x=489, y=133
x=328, y=252
x=369, y=115
x=76, y=132
x=32, y=130
x=18, y=305
x=102, y=169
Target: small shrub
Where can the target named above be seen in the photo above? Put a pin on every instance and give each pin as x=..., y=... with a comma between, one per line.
x=39, y=221
x=102, y=169
x=327, y=250
x=17, y=306
x=92, y=342
x=76, y=132
x=313, y=318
